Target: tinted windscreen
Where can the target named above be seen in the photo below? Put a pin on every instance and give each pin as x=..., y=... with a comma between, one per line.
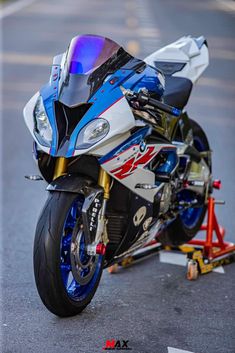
x=87, y=52
x=89, y=60
x=75, y=90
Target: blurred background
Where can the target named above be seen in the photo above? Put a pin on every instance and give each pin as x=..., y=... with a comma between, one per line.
x=151, y=305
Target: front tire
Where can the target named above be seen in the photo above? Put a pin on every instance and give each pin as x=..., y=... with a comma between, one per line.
x=188, y=223
x=66, y=277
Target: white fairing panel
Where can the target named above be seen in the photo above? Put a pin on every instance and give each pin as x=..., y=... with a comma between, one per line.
x=29, y=119
x=128, y=168
x=120, y=119
x=184, y=50
x=119, y=116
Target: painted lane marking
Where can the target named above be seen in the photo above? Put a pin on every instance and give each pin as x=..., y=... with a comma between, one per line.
x=224, y=54
x=217, y=84
x=180, y=260
x=133, y=47
x=138, y=19
x=212, y=102
x=176, y=350
x=227, y=5
x=129, y=5
x=15, y=7
x=132, y=22
x=25, y=59
x=173, y=258
x=219, y=269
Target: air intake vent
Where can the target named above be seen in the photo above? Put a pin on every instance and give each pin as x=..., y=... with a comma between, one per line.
x=67, y=119
x=117, y=225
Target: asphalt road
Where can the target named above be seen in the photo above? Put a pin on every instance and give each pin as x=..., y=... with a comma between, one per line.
x=151, y=305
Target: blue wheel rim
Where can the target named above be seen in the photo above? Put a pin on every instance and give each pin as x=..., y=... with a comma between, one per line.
x=191, y=216
x=74, y=289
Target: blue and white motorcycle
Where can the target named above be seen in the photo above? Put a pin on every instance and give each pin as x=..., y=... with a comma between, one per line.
x=123, y=161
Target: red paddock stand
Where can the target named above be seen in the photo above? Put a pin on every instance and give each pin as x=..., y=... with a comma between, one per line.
x=213, y=249
x=211, y=253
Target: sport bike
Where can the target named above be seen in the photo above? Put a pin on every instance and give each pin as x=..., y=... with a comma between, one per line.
x=123, y=161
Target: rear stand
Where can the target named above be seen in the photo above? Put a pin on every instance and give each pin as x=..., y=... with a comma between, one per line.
x=213, y=253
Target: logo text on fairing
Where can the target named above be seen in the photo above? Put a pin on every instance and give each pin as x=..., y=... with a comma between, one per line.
x=131, y=165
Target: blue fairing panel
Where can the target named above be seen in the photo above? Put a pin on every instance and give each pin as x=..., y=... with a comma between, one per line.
x=148, y=79
x=134, y=139
x=107, y=95
x=49, y=94
x=101, y=102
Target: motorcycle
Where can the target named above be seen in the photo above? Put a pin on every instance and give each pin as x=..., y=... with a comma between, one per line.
x=123, y=161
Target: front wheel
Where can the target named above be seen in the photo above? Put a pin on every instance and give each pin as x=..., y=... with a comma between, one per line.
x=66, y=277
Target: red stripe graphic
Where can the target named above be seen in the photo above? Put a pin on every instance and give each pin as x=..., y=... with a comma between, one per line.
x=131, y=165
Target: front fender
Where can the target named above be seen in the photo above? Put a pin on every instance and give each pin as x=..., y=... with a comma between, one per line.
x=77, y=184
x=93, y=200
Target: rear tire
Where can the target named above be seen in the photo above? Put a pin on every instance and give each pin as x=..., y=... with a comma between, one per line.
x=58, y=224
x=182, y=230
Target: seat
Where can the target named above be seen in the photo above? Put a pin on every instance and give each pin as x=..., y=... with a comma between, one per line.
x=177, y=91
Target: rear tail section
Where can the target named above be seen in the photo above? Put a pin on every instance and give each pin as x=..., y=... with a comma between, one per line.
x=186, y=58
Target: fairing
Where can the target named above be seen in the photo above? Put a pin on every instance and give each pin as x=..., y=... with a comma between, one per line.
x=88, y=52
x=128, y=163
x=85, y=84
x=85, y=56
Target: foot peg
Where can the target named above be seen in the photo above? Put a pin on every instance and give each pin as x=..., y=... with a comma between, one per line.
x=146, y=186
x=163, y=177
x=159, y=177
x=33, y=177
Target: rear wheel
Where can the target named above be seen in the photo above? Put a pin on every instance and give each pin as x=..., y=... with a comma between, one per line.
x=66, y=277
x=188, y=222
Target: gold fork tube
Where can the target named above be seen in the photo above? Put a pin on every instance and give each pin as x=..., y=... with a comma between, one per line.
x=60, y=167
x=104, y=182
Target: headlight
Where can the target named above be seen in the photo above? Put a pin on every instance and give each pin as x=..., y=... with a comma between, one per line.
x=92, y=133
x=42, y=131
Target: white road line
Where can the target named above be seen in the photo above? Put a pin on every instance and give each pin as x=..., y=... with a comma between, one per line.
x=180, y=260
x=217, y=84
x=173, y=258
x=227, y=5
x=149, y=33
x=176, y=350
x=133, y=47
x=25, y=59
x=14, y=7
x=219, y=269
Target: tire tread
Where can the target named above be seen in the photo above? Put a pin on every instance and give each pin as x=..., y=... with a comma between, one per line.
x=47, y=257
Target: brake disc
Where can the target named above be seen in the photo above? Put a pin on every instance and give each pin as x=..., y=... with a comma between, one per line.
x=83, y=265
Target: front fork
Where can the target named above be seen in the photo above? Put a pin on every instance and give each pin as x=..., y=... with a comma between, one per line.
x=61, y=167
x=104, y=181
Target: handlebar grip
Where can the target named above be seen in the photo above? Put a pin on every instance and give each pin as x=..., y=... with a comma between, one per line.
x=164, y=107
